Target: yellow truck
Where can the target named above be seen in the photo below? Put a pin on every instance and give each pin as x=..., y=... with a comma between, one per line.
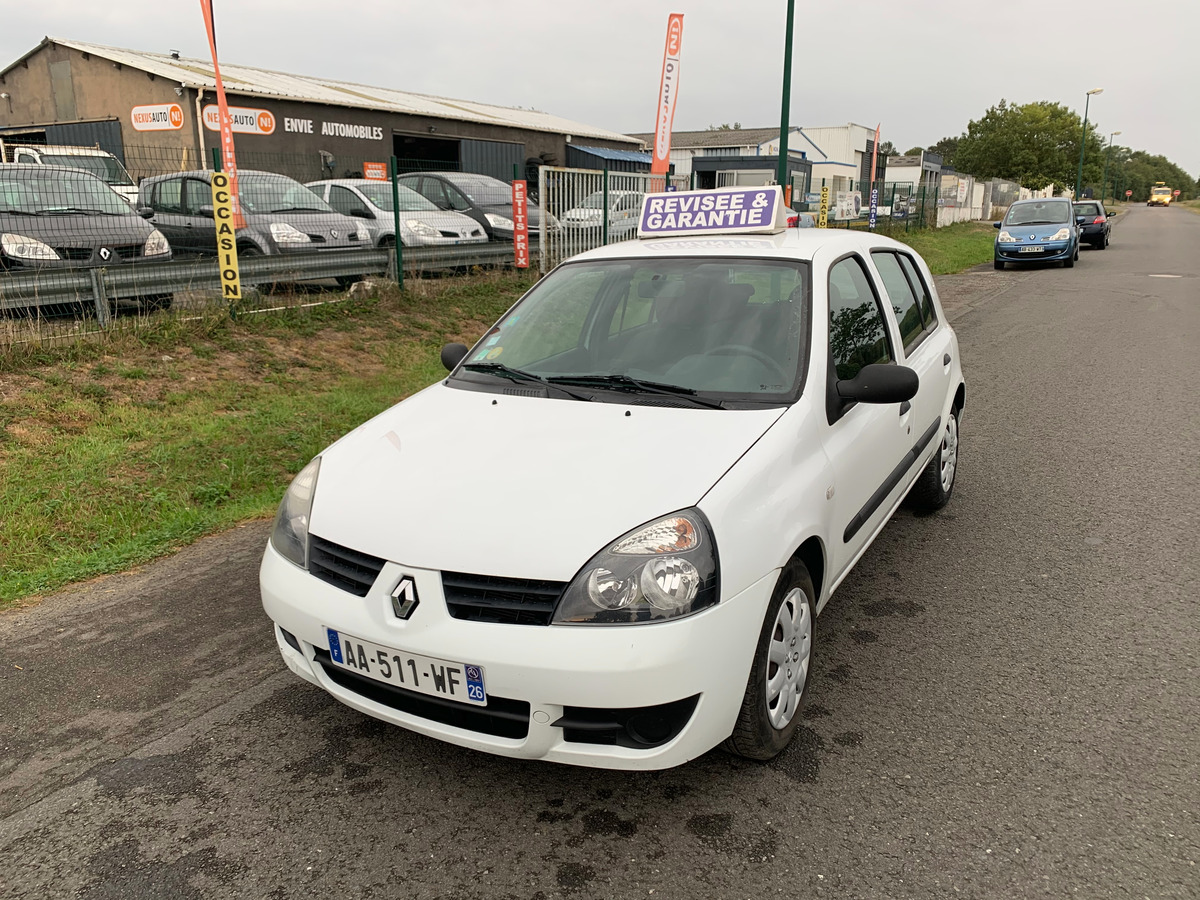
x=1160, y=195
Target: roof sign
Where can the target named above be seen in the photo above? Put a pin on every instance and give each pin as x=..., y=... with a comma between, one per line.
x=756, y=210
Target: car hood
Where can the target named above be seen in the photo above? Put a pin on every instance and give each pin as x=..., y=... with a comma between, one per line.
x=442, y=220
x=80, y=230
x=321, y=223
x=1034, y=232
x=532, y=212
x=520, y=487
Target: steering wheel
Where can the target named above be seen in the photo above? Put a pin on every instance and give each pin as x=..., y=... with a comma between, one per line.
x=743, y=350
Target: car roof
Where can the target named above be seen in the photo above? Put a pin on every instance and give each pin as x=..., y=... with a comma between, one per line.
x=791, y=243
x=208, y=173
x=41, y=170
x=62, y=149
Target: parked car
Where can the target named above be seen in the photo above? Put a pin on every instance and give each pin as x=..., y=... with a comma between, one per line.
x=282, y=215
x=1039, y=230
x=99, y=162
x=53, y=217
x=624, y=209
x=1094, y=224
x=421, y=223
x=698, y=439
x=485, y=199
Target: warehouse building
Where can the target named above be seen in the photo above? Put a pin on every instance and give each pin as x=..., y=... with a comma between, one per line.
x=157, y=112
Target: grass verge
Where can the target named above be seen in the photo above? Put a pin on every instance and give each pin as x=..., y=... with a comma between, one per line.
x=954, y=248
x=117, y=451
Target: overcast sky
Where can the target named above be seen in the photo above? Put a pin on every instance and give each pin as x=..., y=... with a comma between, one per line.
x=923, y=68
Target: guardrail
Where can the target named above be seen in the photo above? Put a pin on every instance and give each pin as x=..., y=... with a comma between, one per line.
x=150, y=281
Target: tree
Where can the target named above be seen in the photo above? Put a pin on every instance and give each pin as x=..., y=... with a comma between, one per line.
x=736, y=126
x=914, y=151
x=887, y=148
x=1138, y=171
x=1035, y=144
x=946, y=149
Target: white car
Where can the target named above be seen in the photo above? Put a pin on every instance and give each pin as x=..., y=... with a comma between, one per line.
x=624, y=208
x=421, y=223
x=604, y=538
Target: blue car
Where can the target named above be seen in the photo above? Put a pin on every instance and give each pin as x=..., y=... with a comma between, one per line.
x=1041, y=230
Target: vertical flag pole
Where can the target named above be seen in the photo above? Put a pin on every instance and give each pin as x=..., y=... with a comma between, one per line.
x=782, y=175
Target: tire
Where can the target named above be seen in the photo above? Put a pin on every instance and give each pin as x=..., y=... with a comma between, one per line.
x=765, y=724
x=1069, y=262
x=935, y=485
x=998, y=265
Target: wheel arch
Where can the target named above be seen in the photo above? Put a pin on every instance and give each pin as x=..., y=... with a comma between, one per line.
x=812, y=554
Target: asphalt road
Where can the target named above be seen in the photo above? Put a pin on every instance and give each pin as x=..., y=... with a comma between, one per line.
x=1006, y=700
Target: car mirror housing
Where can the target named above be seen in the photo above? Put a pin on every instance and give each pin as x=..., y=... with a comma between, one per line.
x=206, y=211
x=452, y=355
x=995, y=224
x=880, y=383
x=146, y=212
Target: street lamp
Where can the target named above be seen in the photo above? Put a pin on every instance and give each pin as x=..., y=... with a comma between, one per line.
x=1083, y=139
x=1104, y=181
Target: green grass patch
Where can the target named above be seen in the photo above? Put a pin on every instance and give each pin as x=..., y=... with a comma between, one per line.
x=952, y=249
x=118, y=451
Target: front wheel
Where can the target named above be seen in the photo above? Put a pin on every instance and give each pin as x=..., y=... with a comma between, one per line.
x=935, y=485
x=998, y=265
x=779, y=676
x=1069, y=262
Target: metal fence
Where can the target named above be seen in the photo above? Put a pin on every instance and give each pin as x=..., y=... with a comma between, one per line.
x=580, y=209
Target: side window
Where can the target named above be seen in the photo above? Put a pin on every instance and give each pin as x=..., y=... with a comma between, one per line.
x=928, y=313
x=196, y=194
x=318, y=189
x=346, y=201
x=434, y=190
x=457, y=200
x=857, y=335
x=168, y=196
x=900, y=293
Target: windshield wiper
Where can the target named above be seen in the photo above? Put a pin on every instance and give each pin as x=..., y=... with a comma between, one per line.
x=58, y=210
x=500, y=369
x=16, y=212
x=635, y=386
x=300, y=209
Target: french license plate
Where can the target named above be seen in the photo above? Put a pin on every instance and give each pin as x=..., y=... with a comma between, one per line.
x=461, y=682
x=1032, y=249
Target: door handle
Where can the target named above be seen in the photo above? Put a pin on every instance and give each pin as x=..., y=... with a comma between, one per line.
x=945, y=359
x=905, y=406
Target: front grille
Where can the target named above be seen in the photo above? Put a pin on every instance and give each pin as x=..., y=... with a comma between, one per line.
x=342, y=567
x=317, y=238
x=129, y=251
x=77, y=254
x=449, y=234
x=501, y=717
x=513, y=601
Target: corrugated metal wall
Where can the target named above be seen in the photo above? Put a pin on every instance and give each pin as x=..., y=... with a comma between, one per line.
x=495, y=158
x=89, y=134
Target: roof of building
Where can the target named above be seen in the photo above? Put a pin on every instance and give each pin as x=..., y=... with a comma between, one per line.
x=634, y=156
x=714, y=137
x=198, y=73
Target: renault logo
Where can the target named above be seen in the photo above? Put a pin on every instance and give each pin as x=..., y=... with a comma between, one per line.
x=105, y=253
x=333, y=233
x=404, y=597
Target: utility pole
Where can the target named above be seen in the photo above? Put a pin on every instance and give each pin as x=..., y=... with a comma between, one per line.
x=782, y=174
x=1104, y=181
x=1083, y=140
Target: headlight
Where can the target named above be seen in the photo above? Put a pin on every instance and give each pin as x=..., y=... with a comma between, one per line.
x=20, y=247
x=156, y=244
x=283, y=233
x=1005, y=238
x=1063, y=234
x=290, y=535
x=424, y=229
x=499, y=222
x=663, y=570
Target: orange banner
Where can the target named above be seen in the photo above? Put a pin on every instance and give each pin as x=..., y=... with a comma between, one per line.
x=228, y=161
x=668, y=91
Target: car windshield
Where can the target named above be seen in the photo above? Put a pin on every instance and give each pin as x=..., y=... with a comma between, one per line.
x=277, y=193
x=703, y=331
x=1087, y=209
x=483, y=190
x=410, y=200
x=1162, y=190
x=105, y=167
x=58, y=192
x=1045, y=212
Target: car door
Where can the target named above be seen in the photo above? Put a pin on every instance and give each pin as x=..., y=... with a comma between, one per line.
x=201, y=230
x=867, y=444
x=925, y=346
x=166, y=199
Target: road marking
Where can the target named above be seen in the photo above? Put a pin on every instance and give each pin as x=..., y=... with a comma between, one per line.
x=1164, y=276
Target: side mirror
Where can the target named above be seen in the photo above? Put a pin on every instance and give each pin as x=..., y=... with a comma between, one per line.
x=995, y=224
x=1081, y=220
x=879, y=383
x=362, y=214
x=146, y=212
x=206, y=211
x=452, y=355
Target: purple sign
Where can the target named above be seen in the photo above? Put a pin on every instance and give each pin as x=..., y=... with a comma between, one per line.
x=734, y=211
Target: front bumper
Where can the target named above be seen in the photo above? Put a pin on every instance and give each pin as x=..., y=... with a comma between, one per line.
x=563, y=673
x=1052, y=251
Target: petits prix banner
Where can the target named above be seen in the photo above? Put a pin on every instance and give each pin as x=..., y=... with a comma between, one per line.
x=668, y=92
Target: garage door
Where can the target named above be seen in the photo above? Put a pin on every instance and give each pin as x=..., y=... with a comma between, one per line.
x=495, y=158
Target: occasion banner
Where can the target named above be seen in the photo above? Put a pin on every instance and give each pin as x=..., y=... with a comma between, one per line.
x=738, y=211
x=668, y=91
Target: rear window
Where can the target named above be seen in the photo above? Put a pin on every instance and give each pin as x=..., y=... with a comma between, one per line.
x=1087, y=209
